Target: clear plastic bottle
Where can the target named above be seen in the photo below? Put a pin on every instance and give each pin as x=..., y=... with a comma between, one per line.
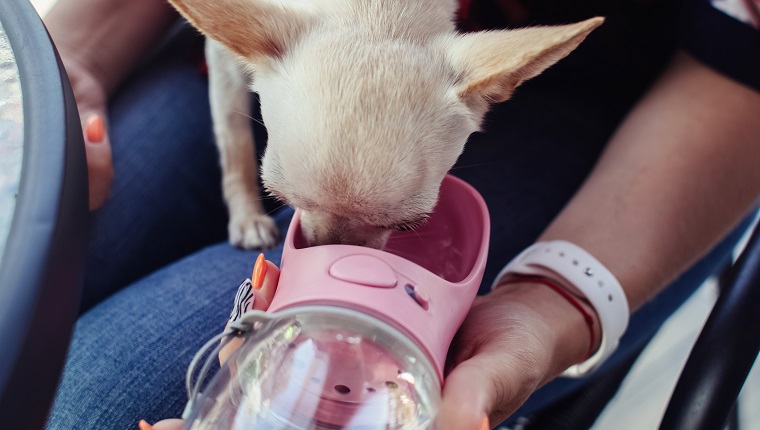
x=320, y=367
x=354, y=338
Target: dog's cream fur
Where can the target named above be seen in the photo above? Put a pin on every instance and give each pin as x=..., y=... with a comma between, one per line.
x=368, y=104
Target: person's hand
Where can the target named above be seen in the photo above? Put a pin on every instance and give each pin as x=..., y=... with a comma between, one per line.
x=91, y=100
x=170, y=424
x=264, y=282
x=513, y=341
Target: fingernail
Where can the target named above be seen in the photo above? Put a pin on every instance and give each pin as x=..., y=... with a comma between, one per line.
x=259, y=272
x=144, y=425
x=94, y=128
x=485, y=425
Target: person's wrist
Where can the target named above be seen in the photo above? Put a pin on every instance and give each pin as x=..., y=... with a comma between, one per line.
x=566, y=325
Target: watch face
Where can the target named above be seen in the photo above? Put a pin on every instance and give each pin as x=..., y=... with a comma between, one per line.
x=321, y=370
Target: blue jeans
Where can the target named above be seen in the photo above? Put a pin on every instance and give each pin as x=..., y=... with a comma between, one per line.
x=161, y=279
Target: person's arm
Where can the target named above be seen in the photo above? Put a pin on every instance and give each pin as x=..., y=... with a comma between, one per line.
x=100, y=41
x=678, y=175
x=682, y=170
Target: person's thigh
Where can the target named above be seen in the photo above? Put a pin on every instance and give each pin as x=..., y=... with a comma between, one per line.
x=129, y=354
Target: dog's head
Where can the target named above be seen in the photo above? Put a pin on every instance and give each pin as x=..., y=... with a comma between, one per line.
x=367, y=108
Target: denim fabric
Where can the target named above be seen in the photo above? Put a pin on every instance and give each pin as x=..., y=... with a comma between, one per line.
x=161, y=280
x=165, y=201
x=129, y=354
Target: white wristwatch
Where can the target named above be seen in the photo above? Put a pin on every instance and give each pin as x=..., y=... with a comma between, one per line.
x=571, y=266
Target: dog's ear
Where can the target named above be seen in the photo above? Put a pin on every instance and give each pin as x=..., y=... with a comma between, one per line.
x=491, y=64
x=254, y=29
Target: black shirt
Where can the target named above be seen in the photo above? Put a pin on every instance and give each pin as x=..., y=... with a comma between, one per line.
x=641, y=35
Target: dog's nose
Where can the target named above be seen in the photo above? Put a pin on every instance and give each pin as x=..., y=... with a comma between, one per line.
x=319, y=229
x=344, y=237
x=337, y=238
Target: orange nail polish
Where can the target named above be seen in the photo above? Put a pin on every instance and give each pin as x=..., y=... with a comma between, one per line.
x=485, y=425
x=259, y=272
x=144, y=425
x=94, y=128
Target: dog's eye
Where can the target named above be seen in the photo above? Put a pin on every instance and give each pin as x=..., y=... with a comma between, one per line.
x=410, y=225
x=405, y=227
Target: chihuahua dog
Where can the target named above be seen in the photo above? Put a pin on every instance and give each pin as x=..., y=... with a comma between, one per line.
x=367, y=104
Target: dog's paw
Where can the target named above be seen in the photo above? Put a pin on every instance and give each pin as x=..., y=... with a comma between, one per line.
x=253, y=232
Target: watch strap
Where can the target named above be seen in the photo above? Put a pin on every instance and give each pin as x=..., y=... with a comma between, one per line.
x=571, y=266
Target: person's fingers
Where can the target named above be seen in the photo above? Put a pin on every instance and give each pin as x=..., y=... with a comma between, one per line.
x=494, y=375
x=467, y=395
x=245, y=299
x=91, y=101
x=270, y=278
x=228, y=349
x=254, y=295
x=99, y=160
x=493, y=383
x=170, y=424
x=485, y=424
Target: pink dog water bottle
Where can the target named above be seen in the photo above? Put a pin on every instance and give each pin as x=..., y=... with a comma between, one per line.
x=355, y=338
